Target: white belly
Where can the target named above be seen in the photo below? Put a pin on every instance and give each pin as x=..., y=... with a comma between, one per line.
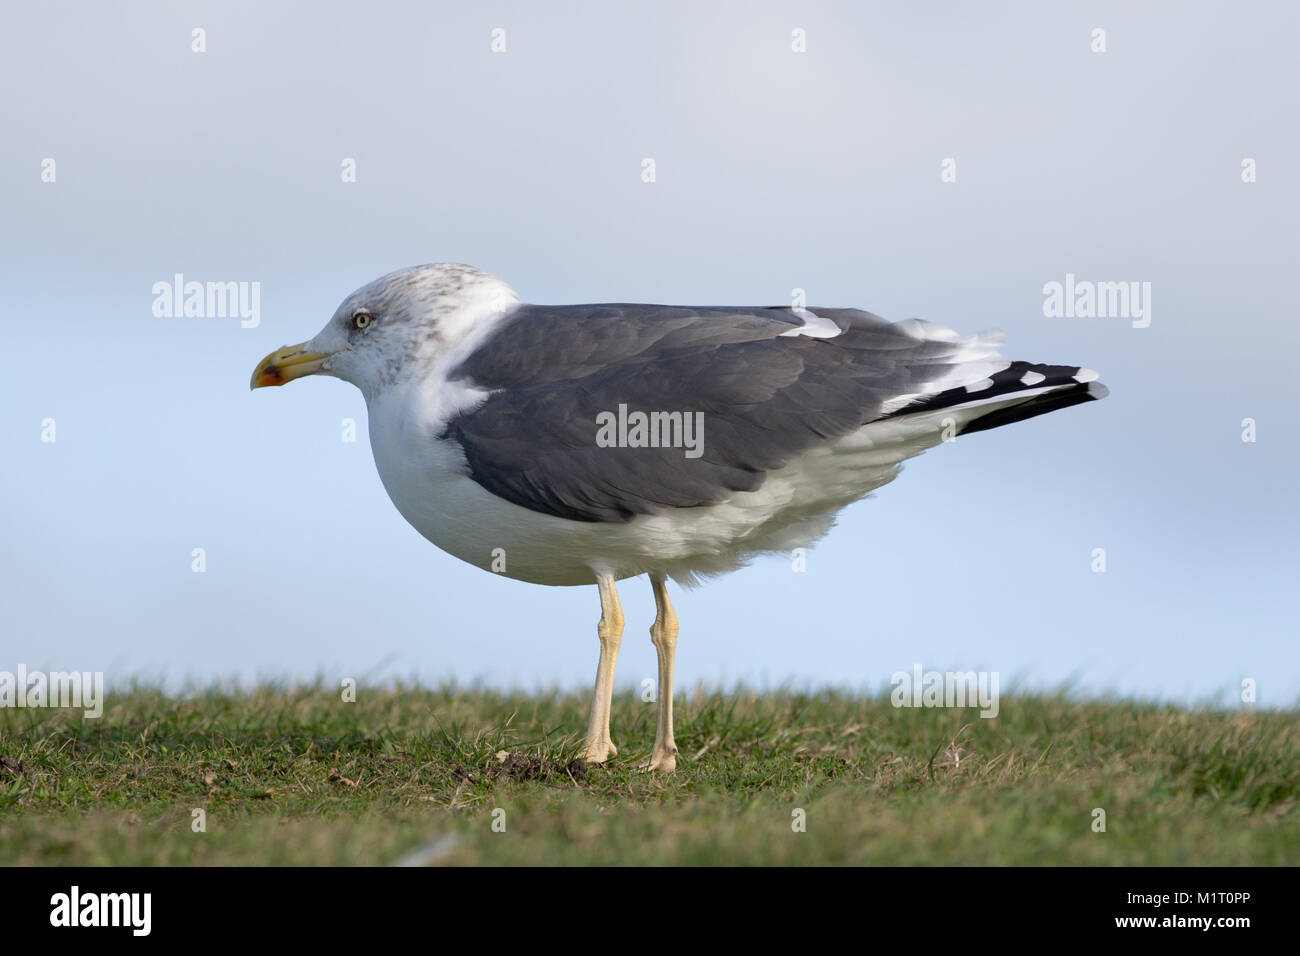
x=429, y=482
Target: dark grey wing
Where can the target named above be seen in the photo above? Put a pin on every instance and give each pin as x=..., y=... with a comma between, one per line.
x=555, y=372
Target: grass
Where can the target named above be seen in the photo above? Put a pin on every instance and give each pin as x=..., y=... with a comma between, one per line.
x=292, y=776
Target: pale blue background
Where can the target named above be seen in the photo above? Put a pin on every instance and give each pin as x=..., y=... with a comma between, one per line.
x=775, y=171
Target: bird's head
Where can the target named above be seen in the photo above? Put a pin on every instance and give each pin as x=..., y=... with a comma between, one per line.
x=402, y=323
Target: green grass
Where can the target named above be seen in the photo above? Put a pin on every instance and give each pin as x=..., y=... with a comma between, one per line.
x=295, y=776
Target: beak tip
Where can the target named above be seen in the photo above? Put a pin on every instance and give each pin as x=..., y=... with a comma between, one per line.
x=284, y=365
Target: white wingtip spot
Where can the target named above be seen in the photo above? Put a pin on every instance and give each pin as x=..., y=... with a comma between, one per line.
x=1086, y=375
x=1032, y=378
x=980, y=385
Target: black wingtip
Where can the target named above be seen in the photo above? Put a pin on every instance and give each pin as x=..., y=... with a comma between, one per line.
x=1041, y=405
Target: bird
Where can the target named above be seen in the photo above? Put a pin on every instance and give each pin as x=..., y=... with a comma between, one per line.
x=575, y=445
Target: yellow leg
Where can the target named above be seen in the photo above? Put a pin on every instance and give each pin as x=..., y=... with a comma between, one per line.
x=600, y=747
x=663, y=634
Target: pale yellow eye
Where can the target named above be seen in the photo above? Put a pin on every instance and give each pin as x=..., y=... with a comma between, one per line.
x=361, y=320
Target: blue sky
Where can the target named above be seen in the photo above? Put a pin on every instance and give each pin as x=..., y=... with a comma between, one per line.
x=774, y=170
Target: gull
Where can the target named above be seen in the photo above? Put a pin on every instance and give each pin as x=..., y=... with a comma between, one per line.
x=580, y=444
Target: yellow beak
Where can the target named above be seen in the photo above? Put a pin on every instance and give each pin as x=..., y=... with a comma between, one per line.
x=286, y=364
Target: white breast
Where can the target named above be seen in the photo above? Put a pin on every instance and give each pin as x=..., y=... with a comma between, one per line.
x=428, y=480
